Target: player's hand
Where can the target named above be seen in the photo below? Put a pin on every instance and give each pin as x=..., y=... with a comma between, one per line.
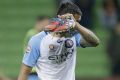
x=68, y=16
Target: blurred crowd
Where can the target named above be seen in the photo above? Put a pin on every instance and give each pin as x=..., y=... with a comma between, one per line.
x=109, y=17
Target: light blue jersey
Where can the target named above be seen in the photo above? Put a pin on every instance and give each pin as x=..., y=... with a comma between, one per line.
x=53, y=57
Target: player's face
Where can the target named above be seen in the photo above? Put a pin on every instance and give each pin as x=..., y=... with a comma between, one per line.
x=41, y=24
x=44, y=22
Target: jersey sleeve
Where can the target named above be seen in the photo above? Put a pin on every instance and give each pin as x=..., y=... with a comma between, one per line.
x=78, y=39
x=32, y=52
x=28, y=36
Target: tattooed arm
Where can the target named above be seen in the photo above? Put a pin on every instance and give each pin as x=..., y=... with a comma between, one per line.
x=88, y=37
x=25, y=71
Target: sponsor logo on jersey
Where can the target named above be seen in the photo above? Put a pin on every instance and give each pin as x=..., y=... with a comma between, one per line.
x=58, y=59
x=60, y=53
x=69, y=43
x=59, y=41
x=52, y=47
x=28, y=49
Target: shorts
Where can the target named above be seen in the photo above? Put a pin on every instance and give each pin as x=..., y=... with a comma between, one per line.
x=33, y=76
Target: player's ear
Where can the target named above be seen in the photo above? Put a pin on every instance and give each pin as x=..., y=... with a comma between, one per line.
x=77, y=17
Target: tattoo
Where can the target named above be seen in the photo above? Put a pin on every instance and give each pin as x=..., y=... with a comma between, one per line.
x=91, y=39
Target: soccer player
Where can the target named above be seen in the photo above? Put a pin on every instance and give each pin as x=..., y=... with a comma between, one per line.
x=54, y=54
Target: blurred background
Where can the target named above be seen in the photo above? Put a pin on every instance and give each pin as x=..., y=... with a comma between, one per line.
x=18, y=21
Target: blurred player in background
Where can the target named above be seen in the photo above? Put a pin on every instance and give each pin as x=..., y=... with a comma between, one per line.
x=54, y=53
x=111, y=21
x=41, y=21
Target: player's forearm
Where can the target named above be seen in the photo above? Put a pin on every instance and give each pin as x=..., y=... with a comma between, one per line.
x=88, y=35
x=22, y=77
x=25, y=71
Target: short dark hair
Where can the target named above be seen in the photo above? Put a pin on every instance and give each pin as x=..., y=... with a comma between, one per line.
x=68, y=7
